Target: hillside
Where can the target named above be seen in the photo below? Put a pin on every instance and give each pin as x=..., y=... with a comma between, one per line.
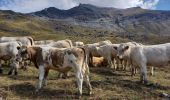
x=89, y=23
x=129, y=21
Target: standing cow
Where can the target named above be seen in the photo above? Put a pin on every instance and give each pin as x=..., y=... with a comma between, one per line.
x=59, y=59
x=92, y=51
x=145, y=55
x=8, y=51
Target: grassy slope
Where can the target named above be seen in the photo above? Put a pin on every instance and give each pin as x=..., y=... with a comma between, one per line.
x=106, y=83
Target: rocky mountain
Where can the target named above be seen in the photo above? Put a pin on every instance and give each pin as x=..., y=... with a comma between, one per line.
x=123, y=21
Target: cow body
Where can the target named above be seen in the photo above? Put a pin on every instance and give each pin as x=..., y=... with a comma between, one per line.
x=61, y=44
x=108, y=52
x=8, y=51
x=28, y=41
x=92, y=51
x=143, y=56
x=43, y=42
x=60, y=59
x=78, y=44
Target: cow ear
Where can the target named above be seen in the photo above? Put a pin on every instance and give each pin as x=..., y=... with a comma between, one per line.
x=18, y=47
x=115, y=48
x=127, y=47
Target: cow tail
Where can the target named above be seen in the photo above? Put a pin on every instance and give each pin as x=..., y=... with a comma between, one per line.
x=31, y=40
x=70, y=43
x=85, y=60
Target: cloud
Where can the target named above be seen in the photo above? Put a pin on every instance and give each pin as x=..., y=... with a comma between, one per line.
x=27, y=6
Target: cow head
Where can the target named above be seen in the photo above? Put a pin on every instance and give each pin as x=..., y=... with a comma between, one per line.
x=122, y=51
x=22, y=52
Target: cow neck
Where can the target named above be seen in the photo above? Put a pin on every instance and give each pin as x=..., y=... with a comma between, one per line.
x=32, y=52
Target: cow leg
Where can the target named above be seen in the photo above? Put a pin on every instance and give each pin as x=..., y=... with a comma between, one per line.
x=125, y=65
x=79, y=77
x=143, y=74
x=12, y=68
x=16, y=65
x=88, y=84
x=152, y=68
x=45, y=76
x=1, y=71
x=41, y=77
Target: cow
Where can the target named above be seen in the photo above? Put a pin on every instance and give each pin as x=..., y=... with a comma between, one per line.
x=43, y=42
x=8, y=51
x=60, y=59
x=25, y=40
x=99, y=62
x=78, y=44
x=92, y=51
x=28, y=41
x=145, y=55
x=61, y=44
x=109, y=53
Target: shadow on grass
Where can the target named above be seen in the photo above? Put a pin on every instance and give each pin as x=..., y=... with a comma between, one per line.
x=108, y=72
x=27, y=90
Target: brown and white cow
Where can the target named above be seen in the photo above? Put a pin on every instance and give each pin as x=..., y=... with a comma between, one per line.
x=59, y=59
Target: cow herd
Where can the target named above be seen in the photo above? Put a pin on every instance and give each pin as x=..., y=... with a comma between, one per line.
x=64, y=55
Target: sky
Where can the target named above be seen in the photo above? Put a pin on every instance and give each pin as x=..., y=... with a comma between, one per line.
x=27, y=6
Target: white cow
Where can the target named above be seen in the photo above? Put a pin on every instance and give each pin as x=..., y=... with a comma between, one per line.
x=60, y=59
x=8, y=51
x=78, y=44
x=61, y=44
x=109, y=53
x=28, y=41
x=143, y=55
x=43, y=42
x=91, y=50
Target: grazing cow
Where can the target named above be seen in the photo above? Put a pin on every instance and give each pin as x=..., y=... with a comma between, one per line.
x=43, y=42
x=143, y=55
x=60, y=59
x=78, y=44
x=92, y=51
x=28, y=41
x=8, y=51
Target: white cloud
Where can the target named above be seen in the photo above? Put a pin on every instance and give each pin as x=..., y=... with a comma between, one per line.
x=26, y=6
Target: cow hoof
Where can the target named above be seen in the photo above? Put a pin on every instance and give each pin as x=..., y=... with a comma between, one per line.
x=10, y=72
x=1, y=71
x=144, y=82
x=90, y=93
x=16, y=73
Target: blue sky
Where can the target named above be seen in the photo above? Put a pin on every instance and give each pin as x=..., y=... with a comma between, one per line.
x=163, y=5
x=26, y=6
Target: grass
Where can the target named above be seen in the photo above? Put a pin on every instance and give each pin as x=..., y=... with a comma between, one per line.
x=106, y=84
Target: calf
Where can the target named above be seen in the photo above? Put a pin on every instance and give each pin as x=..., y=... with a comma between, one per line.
x=59, y=59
